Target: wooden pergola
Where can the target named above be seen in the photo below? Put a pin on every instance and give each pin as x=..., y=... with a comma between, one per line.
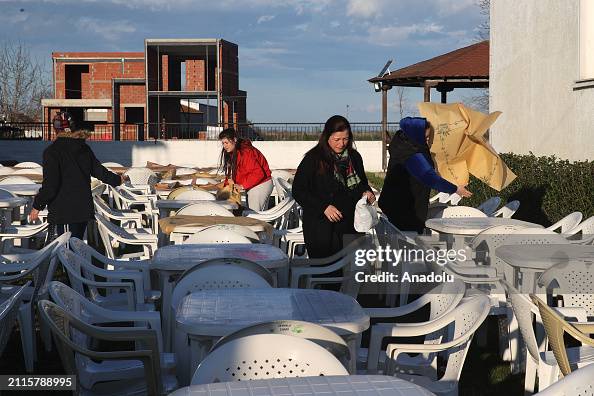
x=466, y=67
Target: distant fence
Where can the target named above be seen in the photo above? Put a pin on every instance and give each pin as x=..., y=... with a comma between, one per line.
x=171, y=131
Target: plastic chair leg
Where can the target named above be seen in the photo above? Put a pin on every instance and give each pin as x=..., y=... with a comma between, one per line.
x=25, y=318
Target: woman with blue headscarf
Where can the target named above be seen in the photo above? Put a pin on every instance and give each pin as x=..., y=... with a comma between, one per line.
x=411, y=176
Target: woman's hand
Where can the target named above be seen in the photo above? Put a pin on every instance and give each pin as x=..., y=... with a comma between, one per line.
x=333, y=214
x=463, y=192
x=370, y=197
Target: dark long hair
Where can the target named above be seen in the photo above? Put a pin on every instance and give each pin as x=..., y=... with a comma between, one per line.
x=228, y=161
x=322, y=153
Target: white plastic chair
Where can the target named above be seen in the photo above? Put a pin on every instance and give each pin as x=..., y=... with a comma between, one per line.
x=459, y=211
x=573, y=282
x=126, y=219
x=441, y=197
x=6, y=194
x=141, y=176
x=282, y=174
x=465, y=319
x=204, y=209
x=585, y=228
x=567, y=223
x=27, y=165
x=6, y=171
x=21, y=232
x=10, y=305
x=441, y=300
x=111, y=233
x=195, y=195
x=16, y=180
x=508, y=210
x=216, y=236
x=489, y=206
x=103, y=262
x=280, y=356
x=211, y=275
x=184, y=171
x=538, y=360
x=76, y=343
x=578, y=382
x=121, y=289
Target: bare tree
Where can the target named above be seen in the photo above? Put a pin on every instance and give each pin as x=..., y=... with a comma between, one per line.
x=401, y=101
x=480, y=101
x=23, y=83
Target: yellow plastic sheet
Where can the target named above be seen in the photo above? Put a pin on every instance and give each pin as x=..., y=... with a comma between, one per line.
x=459, y=147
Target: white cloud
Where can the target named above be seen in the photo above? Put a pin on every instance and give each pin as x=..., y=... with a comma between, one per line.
x=269, y=56
x=334, y=24
x=109, y=30
x=449, y=7
x=364, y=8
x=265, y=18
x=393, y=35
x=303, y=27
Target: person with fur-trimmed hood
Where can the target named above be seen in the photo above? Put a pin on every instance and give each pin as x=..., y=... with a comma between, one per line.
x=68, y=164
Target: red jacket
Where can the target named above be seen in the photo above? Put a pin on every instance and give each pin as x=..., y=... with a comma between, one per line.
x=252, y=167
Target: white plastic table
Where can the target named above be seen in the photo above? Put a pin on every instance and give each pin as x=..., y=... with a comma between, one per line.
x=203, y=317
x=6, y=207
x=175, y=259
x=334, y=385
x=529, y=261
x=457, y=228
x=167, y=205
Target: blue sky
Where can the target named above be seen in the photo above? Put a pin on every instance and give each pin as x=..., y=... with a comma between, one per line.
x=300, y=60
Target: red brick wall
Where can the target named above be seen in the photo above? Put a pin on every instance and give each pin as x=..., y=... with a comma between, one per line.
x=164, y=73
x=195, y=75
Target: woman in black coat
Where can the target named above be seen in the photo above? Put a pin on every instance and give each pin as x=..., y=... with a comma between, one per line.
x=329, y=181
x=68, y=164
x=411, y=176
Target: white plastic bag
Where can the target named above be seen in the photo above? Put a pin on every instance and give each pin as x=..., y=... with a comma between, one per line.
x=365, y=216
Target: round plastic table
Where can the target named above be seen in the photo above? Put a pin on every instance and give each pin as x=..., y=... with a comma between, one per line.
x=203, y=317
x=343, y=385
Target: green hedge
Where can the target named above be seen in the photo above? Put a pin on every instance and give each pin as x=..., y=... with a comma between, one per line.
x=548, y=188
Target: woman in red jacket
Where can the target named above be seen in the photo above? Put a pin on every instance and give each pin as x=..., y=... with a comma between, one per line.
x=247, y=167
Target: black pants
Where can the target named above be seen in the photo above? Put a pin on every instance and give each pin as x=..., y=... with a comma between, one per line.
x=76, y=229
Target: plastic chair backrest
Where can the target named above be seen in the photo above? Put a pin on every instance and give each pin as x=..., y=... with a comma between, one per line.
x=555, y=328
x=9, y=310
x=575, y=282
x=525, y=312
x=27, y=165
x=204, y=209
x=196, y=195
x=577, y=383
x=441, y=197
x=508, y=210
x=459, y=211
x=141, y=176
x=6, y=194
x=216, y=236
x=264, y=356
x=221, y=274
x=16, y=180
x=321, y=335
x=468, y=317
x=176, y=191
x=586, y=227
x=490, y=205
x=567, y=223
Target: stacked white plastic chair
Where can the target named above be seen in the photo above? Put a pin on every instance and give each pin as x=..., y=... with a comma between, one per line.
x=112, y=234
x=578, y=382
x=204, y=209
x=507, y=210
x=136, y=371
x=567, y=223
x=10, y=304
x=216, y=236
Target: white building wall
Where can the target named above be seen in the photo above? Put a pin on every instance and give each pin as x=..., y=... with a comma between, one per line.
x=198, y=153
x=534, y=66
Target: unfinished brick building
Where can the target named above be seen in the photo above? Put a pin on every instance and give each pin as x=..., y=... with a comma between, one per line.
x=178, y=88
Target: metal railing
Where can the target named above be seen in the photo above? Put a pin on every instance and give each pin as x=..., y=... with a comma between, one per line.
x=171, y=131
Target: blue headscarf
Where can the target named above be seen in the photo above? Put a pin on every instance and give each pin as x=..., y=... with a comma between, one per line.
x=414, y=129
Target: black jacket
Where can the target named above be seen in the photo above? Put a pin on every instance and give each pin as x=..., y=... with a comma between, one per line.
x=314, y=191
x=68, y=164
x=404, y=199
